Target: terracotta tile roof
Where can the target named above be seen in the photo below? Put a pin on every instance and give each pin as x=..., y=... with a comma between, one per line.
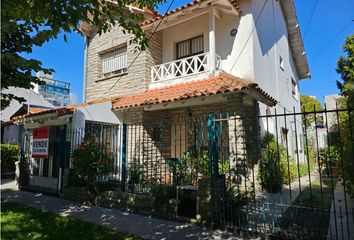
x=32, y=111
x=220, y=84
x=37, y=109
x=188, y=5
x=223, y=83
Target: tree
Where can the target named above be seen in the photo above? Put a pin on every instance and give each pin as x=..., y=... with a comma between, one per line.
x=345, y=67
x=29, y=23
x=345, y=128
x=310, y=104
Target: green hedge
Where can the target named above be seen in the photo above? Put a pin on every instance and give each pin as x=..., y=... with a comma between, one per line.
x=9, y=155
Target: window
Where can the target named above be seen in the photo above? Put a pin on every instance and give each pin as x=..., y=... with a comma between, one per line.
x=293, y=87
x=178, y=140
x=114, y=62
x=281, y=63
x=190, y=47
x=284, y=137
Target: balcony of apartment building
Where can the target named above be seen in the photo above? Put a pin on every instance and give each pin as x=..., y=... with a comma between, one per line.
x=196, y=40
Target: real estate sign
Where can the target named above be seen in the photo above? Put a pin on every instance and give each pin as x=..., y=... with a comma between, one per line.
x=40, y=143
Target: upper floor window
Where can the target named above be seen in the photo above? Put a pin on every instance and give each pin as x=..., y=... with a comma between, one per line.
x=281, y=63
x=115, y=61
x=293, y=87
x=190, y=47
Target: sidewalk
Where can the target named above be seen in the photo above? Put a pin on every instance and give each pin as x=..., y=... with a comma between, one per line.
x=342, y=215
x=143, y=226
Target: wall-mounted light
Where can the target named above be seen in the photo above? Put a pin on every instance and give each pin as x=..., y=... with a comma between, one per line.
x=189, y=112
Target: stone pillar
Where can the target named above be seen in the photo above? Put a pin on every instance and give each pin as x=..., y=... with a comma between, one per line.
x=17, y=173
x=243, y=140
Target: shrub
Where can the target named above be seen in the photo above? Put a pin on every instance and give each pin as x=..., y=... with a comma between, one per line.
x=90, y=161
x=161, y=196
x=332, y=156
x=276, y=167
x=9, y=155
x=271, y=172
x=136, y=176
x=236, y=200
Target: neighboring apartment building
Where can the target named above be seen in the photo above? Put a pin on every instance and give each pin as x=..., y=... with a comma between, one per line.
x=54, y=91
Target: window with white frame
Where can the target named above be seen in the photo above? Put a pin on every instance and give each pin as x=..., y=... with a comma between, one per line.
x=294, y=87
x=114, y=62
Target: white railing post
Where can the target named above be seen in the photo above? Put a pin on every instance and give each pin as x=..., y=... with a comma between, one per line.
x=212, y=53
x=152, y=74
x=184, y=67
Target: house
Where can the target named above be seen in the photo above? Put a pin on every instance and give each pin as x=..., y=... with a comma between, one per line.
x=331, y=104
x=220, y=42
x=213, y=68
x=34, y=103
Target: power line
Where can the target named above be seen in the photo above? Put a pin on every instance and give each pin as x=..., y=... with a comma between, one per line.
x=136, y=57
x=310, y=19
x=254, y=27
x=331, y=40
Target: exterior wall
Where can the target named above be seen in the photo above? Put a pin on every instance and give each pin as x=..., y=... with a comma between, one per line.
x=135, y=80
x=11, y=134
x=331, y=101
x=228, y=47
x=186, y=129
x=185, y=30
x=270, y=42
x=147, y=152
x=236, y=52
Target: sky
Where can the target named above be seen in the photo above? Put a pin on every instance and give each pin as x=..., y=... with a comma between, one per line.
x=323, y=23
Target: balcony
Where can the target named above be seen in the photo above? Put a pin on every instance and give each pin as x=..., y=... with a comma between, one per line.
x=185, y=68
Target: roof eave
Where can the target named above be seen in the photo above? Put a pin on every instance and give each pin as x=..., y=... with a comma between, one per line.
x=295, y=39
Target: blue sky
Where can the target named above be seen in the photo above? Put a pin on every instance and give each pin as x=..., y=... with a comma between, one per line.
x=331, y=22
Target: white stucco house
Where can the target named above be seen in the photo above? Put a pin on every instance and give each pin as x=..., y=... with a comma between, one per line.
x=253, y=40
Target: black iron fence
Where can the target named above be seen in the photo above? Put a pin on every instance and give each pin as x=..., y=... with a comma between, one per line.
x=287, y=174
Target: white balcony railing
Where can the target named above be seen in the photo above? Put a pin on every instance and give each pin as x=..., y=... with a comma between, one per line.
x=183, y=67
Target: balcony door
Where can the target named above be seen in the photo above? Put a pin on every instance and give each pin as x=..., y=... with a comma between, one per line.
x=188, y=48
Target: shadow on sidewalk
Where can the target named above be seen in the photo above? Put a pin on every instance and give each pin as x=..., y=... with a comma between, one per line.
x=143, y=226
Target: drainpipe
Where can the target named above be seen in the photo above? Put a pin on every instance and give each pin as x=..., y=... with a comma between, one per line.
x=212, y=53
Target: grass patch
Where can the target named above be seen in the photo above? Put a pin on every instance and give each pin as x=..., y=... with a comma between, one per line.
x=22, y=222
x=309, y=214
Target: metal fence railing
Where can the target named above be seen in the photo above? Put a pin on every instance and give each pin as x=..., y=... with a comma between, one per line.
x=287, y=174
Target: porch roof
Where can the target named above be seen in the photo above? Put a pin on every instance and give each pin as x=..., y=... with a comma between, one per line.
x=31, y=111
x=223, y=83
x=63, y=110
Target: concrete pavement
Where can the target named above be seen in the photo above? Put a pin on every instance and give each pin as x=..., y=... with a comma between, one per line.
x=143, y=226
